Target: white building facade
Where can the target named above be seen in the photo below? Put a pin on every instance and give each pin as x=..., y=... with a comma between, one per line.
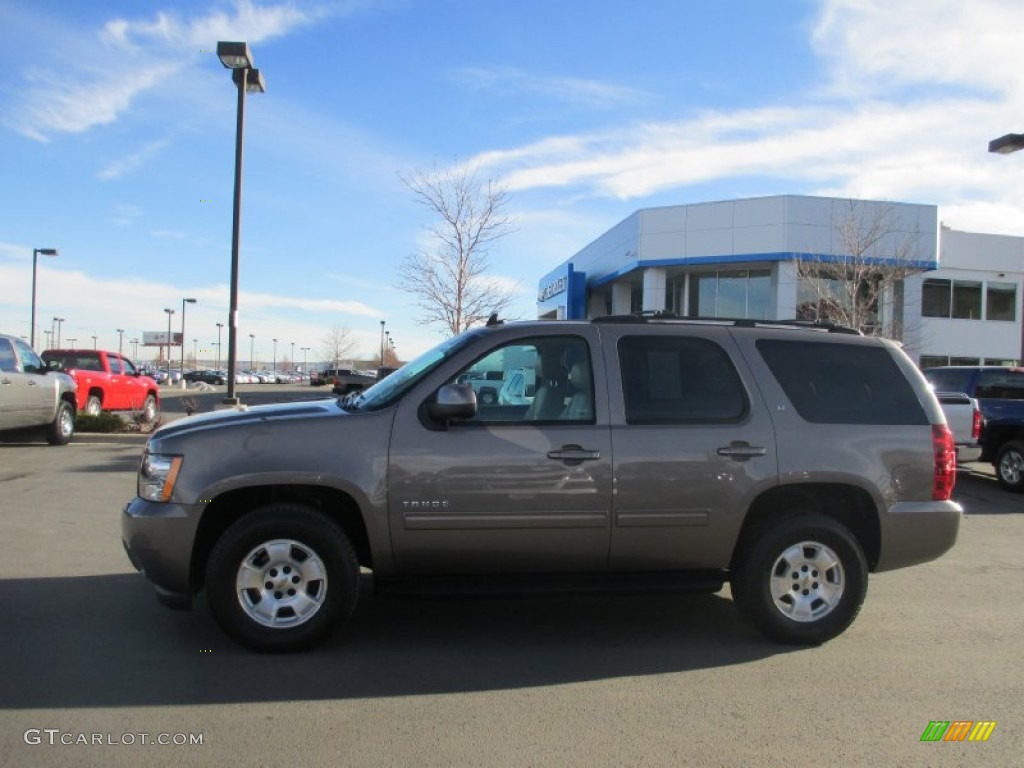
x=739, y=259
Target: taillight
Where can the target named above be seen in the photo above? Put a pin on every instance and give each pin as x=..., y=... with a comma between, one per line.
x=945, y=462
x=976, y=424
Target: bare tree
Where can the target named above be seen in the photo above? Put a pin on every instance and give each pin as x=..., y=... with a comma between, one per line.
x=862, y=282
x=449, y=281
x=337, y=344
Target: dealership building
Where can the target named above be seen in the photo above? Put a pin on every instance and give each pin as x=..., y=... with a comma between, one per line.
x=960, y=302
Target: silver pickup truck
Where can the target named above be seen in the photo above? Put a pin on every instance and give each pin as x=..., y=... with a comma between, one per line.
x=963, y=417
x=33, y=399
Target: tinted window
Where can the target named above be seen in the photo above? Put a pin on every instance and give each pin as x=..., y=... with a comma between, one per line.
x=8, y=362
x=679, y=380
x=1001, y=385
x=949, y=380
x=842, y=383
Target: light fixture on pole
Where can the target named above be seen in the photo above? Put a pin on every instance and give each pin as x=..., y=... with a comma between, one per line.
x=219, y=326
x=382, y=342
x=94, y=338
x=71, y=342
x=275, y=356
x=1004, y=145
x=169, y=313
x=292, y=361
x=252, y=340
x=59, y=321
x=120, y=340
x=135, y=349
x=236, y=57
x=35, y=258
x=183, y=303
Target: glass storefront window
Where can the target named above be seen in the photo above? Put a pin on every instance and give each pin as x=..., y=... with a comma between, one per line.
x=1001, y=301
x=935, y=298
x=967, y=300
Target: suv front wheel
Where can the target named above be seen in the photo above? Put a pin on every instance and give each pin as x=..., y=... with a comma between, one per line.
x=802, y=580
x=282, y=578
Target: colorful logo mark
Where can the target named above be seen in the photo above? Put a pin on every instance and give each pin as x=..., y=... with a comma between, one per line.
x=958, y=730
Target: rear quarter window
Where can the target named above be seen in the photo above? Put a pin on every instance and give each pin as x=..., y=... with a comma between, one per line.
x=842, y=383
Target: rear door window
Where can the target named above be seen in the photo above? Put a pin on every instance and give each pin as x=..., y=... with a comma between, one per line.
x=679, y=380
x=842, y=383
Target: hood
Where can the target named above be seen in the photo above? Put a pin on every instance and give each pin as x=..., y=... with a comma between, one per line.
x=231, y=417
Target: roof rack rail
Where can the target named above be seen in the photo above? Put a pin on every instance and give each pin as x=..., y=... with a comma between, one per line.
x=738, y=322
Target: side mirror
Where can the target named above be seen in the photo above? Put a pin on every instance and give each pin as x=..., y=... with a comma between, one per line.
x=453, y=402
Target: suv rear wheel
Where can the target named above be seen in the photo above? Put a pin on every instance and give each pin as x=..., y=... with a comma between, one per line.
x=803, y=580
x=282, y=578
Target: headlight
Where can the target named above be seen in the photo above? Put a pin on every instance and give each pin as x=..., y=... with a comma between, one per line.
x=157, y=476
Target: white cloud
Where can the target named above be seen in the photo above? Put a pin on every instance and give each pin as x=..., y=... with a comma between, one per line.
x=129, y=163
x=55, y=105
x=130, y=57
x=575, y=90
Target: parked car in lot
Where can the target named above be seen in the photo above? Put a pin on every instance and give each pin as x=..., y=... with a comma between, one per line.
x=963, y=417
x=34, y=398
x=652, y=453
x=207, y=376
x=999, y=392
x=107, y=381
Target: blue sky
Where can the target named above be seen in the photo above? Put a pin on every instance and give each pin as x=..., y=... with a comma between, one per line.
x=117, y=140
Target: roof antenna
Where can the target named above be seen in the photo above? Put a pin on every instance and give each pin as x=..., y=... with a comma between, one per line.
x=493, y=320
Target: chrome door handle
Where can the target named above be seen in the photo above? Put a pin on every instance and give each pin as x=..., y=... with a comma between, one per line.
x=574, y=453
x=742, y=451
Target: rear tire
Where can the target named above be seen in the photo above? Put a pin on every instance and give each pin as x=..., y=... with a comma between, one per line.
x=1010, y=466
x=150, y=411
x=802, y=580
x=62, y=428
x=282, y=578
x=93, y=406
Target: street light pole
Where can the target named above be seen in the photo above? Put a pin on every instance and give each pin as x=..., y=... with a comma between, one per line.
x=94, y=341
x=305, y=366
x=183, y=303
x=59, y=321
x=35, y=257
x=292, y=361
x=1004, y=145
x=169, y=313
x=219, y=326
x=120, y=340
x=382, y=342
x=236, y=57
x=252, y=340
x=275, y=356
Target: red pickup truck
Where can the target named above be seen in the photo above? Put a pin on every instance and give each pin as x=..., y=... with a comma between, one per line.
x=107, y=381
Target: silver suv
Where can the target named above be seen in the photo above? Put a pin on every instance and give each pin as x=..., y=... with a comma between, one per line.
x=645, y=451
x=33, y=399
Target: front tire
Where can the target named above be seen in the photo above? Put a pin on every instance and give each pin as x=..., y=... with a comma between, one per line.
x=282, y=578
x=802, y=580
x=1010, y=466
x=62, y=428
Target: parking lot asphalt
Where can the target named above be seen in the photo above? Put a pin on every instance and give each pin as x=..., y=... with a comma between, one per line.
x=589, y=681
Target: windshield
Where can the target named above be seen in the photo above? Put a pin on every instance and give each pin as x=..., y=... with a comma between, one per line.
x=387, y=390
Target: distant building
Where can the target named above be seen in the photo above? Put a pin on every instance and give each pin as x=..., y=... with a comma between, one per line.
x=738, y=259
